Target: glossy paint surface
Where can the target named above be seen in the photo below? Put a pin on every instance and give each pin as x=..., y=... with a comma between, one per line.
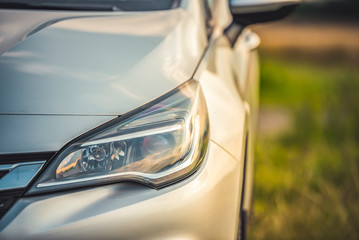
x=99, y=66
x=129, y=211
x=41, y=133
x=226, y=108
x=204, y=205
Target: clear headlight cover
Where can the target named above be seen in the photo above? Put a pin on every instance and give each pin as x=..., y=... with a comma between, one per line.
x=155, y=146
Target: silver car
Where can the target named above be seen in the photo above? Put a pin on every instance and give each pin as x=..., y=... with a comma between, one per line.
x=131, y=119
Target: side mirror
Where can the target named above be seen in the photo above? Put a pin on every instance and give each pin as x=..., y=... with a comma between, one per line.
x=246, y=12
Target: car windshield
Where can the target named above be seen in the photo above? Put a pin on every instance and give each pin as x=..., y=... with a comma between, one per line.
x=92, y=5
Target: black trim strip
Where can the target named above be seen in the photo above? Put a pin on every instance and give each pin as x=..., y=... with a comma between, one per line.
x=244, y=171
x=242, y=212
x=7, y=199
x=25, y=157
x=93, y=5
x=232, y=32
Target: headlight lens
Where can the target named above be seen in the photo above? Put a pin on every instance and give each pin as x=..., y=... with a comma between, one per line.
x=156, y=146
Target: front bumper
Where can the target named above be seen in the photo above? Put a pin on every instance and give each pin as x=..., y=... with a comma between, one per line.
x=203, y=206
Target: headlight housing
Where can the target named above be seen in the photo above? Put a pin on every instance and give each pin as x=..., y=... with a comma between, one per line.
x=156, y=146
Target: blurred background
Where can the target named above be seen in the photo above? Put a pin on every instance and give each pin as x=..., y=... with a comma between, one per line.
x=307, y=154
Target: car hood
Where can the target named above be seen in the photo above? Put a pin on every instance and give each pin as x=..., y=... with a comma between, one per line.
x=94, y=64
x=63, y=73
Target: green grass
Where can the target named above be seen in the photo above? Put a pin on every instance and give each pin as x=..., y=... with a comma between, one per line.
x=307, y=178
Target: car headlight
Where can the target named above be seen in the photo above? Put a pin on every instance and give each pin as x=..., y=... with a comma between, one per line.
x=156, y=146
